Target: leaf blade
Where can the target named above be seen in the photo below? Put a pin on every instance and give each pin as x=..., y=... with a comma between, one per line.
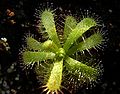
x=70, y=24
x=30, y=57
x=33, y=44
x=87, y=71
x=55, y=79
x=81, y=28
x=49, y=24
x=91, y=42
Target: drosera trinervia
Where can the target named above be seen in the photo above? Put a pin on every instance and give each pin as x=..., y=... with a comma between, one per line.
x=56, y=61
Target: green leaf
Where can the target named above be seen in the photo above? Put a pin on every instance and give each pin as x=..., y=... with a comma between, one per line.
x=33, y=44
x=90, y=42
x=30, y=57
x=76, y=66
x=48, y=21
x=55, y=79
x=70, y=24
x=81, y=28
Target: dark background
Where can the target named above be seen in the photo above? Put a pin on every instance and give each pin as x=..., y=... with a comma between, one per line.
x=16, y=80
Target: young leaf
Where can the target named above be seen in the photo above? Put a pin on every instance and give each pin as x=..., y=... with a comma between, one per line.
x=81, y=28
x=49, y=46
x=49, y=24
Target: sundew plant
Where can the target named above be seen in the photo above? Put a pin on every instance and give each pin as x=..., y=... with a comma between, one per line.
x=55, y=60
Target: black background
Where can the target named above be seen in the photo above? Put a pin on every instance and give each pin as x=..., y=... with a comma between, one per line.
x=24, y=10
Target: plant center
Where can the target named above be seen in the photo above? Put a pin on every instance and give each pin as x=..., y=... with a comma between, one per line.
x=60, y=53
